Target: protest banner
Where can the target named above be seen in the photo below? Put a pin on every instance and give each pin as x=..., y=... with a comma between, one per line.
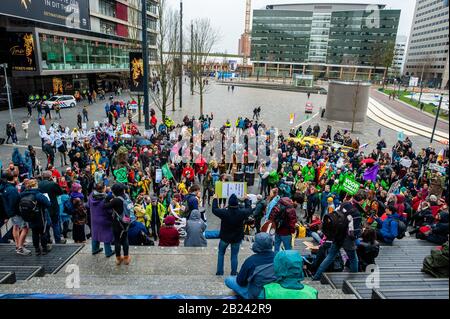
x=226, y=189
x=350, y=186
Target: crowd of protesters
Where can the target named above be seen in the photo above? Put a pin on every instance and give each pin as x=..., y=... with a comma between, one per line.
x=122, y=188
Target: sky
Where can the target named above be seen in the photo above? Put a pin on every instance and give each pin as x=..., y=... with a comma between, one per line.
x=228, y=16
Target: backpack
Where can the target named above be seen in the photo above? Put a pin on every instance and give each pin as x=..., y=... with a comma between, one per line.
x=128, y=208
x=68, y=207
x=280, y=213
x=335, y=225
x=401, y=229
x=28, y=207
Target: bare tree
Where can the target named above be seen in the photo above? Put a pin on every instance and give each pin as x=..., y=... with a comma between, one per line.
x=203, y=40
x=386, y=58
x=166, y=42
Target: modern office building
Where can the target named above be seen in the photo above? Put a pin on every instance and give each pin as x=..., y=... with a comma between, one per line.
x=328, y=40
x=398, y=63
x=62, y=46
x=427, y=55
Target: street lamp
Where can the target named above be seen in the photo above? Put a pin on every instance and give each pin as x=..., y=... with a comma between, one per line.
x=5, y=66
x=437, y=117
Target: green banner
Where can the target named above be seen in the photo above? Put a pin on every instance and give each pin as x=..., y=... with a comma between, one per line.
x=167, y=172
x=350, y=186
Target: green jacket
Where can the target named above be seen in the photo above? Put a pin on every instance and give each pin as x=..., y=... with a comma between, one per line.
x=308, y=173
x=276, y=291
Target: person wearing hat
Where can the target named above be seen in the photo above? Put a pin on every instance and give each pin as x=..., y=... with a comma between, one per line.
x=168, y=234
x=79, y=213
x=231, y=229
x=256, y=271
x=388, y=228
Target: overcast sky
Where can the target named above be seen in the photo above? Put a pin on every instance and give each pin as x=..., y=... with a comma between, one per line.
x=228, y=16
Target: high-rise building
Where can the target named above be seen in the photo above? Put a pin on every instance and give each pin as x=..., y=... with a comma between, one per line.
x=427, y=56
x=400, y=55
x=328, y=40
x=72, y=45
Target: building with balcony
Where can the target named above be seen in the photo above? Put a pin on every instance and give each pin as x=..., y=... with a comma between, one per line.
x=327, y=40
x=87, y=48
x=427, y=56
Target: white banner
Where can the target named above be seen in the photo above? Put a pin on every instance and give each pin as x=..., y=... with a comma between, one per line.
x=406, y=162
x=303, y=161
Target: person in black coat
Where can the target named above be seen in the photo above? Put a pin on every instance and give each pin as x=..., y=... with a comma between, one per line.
x=231, y=229
x=368, y=249
x=53, y=190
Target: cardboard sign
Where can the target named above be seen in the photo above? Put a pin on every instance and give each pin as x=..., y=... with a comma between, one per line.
x=96, y=124
x=303, y=161
x=406, y=162
x=438, y=168
x=350, y=186
x=158, y=175
x=226, y=189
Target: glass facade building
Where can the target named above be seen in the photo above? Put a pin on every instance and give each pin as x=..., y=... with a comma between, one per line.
x=322, y=39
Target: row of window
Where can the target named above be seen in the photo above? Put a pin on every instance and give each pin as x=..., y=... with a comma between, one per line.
x=256, y=18
x=281, y=25
x=442, y=36
x=428, y=45
x=434, y=59
x=434, y=30
x=421, y=66
x=429, y=11
x=429, y=4
x=445, y=13
x=431, y=24
x=428, y=52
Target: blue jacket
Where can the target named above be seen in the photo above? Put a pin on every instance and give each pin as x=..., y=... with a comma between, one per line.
x=263, y=255
x=389, y=228
x=11, y=200
x=324, y=199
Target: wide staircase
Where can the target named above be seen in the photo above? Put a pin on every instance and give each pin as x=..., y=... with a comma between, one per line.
x=182, y=272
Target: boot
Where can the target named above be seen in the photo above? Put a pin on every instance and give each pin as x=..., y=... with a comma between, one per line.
x=126, y=260
x=118, y=260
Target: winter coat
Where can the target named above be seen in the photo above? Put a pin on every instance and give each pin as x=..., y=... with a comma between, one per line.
x=101, y=218
x=232, y=221
x=389, y=228
x=290, y=218
x=53, y=190
x=367, y=252
x=43, y=204
x=195, y=228
x=11, y=199
x=169, y=237
x=79, y=214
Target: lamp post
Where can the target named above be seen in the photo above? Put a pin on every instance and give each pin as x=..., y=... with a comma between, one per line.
x=5, y=66
x=181, y=54
x=437, y=117
x=146, y=62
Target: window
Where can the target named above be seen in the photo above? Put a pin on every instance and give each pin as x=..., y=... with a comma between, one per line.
x=108, y=27
x=107, y=8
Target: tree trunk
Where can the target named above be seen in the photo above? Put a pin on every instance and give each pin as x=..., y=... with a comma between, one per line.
x=174, y=95
x=201, y=87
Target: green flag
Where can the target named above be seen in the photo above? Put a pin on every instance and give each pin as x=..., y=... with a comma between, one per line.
x=350, y=186
x=167, y=172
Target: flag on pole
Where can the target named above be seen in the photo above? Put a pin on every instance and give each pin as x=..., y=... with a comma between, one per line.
x=371, y=173
x=291, y=118
x=167, y=172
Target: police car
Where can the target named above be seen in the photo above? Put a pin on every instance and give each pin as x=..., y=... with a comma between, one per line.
x=65, y=101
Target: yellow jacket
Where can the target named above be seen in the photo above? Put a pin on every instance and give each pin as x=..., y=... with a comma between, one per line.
x=161, y=213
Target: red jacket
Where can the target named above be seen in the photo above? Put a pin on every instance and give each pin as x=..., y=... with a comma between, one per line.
x=153, y=120
x=290, y=220
x=191, y=172
x=169, y=237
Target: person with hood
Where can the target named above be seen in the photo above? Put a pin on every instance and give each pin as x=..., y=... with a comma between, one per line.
x=288, y=267
x=256, y=271
x=101, y=221
x=168, y=234
x=231, y=229
x=195, y=228
x=37, y=224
